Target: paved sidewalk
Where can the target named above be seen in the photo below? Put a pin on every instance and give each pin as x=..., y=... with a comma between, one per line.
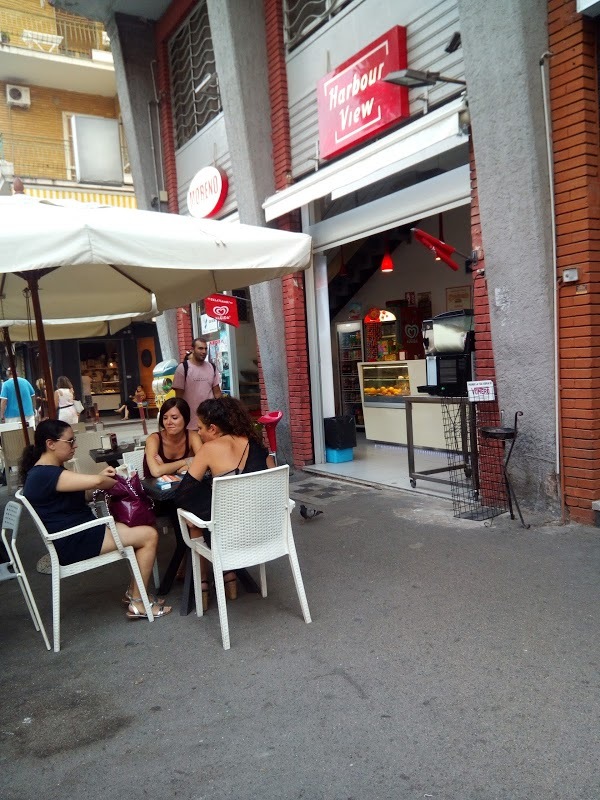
x=446, y=659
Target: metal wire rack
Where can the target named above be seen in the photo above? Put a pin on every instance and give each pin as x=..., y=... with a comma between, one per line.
x=478, y=490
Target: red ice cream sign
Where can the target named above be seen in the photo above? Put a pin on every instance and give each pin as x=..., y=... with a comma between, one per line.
x=222, y=307
x=354, y=102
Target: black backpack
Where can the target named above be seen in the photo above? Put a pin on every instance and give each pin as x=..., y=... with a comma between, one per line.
x=186, y=366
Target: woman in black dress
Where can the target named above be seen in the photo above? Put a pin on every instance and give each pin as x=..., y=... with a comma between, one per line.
x=58, y=496
x=230, y=446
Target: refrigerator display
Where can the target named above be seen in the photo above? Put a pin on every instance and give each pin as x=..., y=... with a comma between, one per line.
x=350, y=353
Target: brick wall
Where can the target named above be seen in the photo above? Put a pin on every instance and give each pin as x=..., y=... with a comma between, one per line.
x=574, y=111
x=485, y=356
x=490, y=451
x=33, y=137
x=294, y=307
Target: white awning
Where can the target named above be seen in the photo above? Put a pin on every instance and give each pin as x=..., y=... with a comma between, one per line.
x=428, y=136
x=424, y=199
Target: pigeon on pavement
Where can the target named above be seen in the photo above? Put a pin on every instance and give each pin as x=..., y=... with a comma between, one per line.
x=306, y=512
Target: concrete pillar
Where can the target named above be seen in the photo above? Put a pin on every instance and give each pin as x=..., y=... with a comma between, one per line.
x=502, y=45
x=134, y=64
x=238, y=35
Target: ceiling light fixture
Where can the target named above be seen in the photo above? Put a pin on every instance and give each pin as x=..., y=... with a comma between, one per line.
x=387, y=263
x=414, y=78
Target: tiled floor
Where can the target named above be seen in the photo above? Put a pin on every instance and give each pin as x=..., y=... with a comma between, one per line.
x=387, y=465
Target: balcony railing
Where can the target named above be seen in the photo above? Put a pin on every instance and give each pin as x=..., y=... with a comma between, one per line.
x=54, y=32
x=53, y=159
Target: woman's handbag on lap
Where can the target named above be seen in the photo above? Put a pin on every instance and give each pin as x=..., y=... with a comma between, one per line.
x=128, y=503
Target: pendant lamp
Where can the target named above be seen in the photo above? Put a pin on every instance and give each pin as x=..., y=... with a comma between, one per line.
x=387, y=264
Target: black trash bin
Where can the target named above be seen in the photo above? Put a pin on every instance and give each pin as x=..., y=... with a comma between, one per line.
x=340, y=438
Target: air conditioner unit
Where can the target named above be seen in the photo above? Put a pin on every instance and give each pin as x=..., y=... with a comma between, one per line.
x=18, y=96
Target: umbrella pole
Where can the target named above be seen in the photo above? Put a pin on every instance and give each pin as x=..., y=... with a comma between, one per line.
x=32, y=282
x=13, y=369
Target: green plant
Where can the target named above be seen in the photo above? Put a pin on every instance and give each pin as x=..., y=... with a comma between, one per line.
x=4, y=37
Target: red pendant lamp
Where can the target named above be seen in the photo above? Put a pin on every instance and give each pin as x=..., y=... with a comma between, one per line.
x=387, y=263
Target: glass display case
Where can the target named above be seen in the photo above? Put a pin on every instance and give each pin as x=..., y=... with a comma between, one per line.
x=385, y=384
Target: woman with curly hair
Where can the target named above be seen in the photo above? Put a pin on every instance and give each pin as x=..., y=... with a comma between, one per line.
x=230, y=446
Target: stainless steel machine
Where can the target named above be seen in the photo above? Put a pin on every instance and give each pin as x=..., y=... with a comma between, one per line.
x=449, y=342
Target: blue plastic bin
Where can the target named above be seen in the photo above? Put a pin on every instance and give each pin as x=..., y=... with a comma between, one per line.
x=338, y=456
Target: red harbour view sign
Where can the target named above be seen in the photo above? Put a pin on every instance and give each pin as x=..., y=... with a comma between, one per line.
x=207, y=192
x=222, y=307
x=354, y=103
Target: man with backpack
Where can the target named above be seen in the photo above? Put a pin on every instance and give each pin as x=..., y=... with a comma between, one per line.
x=197, y=380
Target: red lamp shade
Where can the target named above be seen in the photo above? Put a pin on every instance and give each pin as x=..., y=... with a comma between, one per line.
x=387, y=264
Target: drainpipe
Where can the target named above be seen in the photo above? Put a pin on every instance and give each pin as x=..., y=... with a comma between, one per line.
x=557, y=387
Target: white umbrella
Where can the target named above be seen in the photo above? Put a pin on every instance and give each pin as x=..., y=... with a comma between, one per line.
x=22, y=330
x=102, y=259
x=88, y=259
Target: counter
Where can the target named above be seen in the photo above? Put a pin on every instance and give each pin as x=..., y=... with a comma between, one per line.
x=107, y=401
x=383, y=387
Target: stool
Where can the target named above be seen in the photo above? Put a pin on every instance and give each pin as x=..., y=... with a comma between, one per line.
x=507, y=434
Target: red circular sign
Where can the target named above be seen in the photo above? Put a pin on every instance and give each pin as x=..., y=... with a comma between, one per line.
x=207, y=192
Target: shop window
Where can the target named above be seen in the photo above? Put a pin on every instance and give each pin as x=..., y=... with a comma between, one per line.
x=194, y=85
x=302, y=18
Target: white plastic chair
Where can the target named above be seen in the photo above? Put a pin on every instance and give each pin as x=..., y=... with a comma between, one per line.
x=59, y=571
x=10, y=523
x=250, y=524
x=135, y=460
x=82, y=461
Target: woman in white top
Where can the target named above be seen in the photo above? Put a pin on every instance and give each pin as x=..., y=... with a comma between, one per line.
x=64, y=399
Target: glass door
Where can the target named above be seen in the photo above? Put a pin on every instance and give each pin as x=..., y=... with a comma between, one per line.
x=350, y=353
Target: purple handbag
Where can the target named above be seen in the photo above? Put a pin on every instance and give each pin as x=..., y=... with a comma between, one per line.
x=129, y=504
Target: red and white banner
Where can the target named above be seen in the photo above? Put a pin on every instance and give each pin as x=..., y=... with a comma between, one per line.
x=222, y=307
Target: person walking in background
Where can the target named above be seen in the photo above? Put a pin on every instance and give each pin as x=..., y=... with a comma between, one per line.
x=197, y=380
x=9, y=407
x=64, y=399
x=86, y=394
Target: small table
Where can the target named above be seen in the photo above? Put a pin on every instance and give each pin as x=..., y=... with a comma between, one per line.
x=110, y=457
x=469, y=463
x=153, y=488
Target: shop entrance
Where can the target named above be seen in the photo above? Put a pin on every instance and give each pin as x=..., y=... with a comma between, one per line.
x=102, y=360
x=381, y=288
